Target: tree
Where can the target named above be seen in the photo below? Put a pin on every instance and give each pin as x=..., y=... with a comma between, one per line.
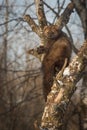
x=57, y=109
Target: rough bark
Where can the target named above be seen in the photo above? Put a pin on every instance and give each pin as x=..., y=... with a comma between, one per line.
x=64, y=18
x=62, y=90
x=32, y=24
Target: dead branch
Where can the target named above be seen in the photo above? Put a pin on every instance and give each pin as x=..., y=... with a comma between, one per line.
x=64, y=18
x=40, y=14
x=41, y=19
x=31, y=23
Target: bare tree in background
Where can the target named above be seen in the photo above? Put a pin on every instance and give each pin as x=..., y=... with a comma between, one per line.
x=5, y=37
x=18, y=79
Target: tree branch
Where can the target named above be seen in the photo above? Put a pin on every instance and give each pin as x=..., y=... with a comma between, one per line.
x=32, y=24
x=40, y=13
x=61, y=92
x=41, y=19
x=64, y=18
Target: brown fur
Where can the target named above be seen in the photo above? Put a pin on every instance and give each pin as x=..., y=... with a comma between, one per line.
x=59, y=48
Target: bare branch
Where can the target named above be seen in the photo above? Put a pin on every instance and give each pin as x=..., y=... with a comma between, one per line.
x=28, y=7
x=51, y=8
x=31, y=23
x=11, y=20
x=64, y=18
x=40, y=14
x=41, y=19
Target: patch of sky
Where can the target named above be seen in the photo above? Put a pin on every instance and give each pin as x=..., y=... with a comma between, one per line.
x=76, y=27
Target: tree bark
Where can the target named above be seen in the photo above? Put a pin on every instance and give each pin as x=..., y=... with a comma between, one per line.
x=62, y=90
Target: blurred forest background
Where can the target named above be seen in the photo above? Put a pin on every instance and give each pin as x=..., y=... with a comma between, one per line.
x=21, y=96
